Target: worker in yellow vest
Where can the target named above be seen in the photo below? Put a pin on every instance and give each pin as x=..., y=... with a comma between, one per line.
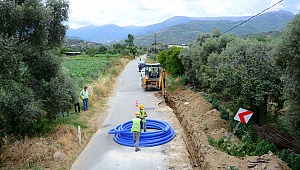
x=84, y=95
x=136, y=130
x=143, y=117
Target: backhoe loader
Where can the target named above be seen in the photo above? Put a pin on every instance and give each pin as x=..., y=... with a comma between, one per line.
x=154, y=77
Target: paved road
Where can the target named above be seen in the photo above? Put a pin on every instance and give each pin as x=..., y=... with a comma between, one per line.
x=102, y=152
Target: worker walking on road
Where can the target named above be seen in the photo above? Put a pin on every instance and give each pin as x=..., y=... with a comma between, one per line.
x=143, y=117
x=136, y=130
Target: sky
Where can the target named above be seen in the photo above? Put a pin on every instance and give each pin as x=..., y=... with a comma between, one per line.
x=147, y=12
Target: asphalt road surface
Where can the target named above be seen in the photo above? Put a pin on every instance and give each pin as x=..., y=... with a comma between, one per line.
x=102, y=152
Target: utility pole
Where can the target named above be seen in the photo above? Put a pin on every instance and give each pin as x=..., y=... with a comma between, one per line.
x=155, y=43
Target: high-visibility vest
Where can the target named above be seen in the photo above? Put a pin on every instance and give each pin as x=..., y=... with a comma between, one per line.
x=84, y=94
x=143, y=116
x=136, y=125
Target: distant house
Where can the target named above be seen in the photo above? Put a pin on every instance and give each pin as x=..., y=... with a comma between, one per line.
x=72, y=53
x=178, y=45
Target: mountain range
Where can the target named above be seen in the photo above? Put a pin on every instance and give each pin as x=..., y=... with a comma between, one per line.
x=183, y=30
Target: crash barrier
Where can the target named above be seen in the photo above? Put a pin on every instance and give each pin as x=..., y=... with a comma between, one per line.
x=161, y=132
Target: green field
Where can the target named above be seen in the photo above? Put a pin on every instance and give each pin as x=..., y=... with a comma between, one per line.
x=88, y=68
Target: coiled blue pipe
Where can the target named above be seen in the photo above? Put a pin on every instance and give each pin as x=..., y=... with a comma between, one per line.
x=161, y=133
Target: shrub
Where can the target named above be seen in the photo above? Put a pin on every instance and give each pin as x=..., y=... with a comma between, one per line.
x=228, y=146
x=264, y=147
x=215, y=104
x=224, y=114
x=292, y=159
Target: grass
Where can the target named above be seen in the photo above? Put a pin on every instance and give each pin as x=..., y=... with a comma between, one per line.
x=174, y=83
x=75, y=119
x=205, y=128
x=194, y=114
x=88, y=68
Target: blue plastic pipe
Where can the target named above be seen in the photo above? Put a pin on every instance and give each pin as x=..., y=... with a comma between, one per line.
x=161, y=132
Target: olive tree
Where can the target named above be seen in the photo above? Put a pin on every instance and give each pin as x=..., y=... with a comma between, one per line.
x=195, y=59
x=33, y=83
x=92, y=51
x=287, y=54
x=19, y=106
x=245, y=74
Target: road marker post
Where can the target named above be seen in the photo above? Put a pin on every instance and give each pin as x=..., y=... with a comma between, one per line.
x=79, y=134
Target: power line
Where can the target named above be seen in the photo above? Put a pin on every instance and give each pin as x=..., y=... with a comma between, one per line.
x=256, y=6
x=237, y=7
x=234, y=6
x=252, y=17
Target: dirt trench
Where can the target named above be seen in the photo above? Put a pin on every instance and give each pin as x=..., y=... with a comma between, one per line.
x=199, y=122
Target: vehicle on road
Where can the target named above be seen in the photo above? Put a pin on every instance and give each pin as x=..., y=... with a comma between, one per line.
x=143, y=72
x=141, y=65
x=154, y=77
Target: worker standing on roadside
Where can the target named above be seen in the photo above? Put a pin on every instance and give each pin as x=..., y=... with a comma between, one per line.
x=136, y=130
x=77, y=105
x=63, y=111
x=143, y=117
x=84, y=95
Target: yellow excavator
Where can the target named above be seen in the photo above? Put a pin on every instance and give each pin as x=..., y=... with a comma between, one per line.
x=154, y=77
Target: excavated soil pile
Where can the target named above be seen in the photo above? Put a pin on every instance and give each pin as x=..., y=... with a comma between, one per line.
x=199, y=122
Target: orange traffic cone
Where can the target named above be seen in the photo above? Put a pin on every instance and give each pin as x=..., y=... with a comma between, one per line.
x=136, y=103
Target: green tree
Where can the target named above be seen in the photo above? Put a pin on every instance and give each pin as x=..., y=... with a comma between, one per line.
x=64, y=49
x=129, y=40
x=33, y=83
x=132, y=50
x=141, y=50
x=241, y=72
x=246, y=75
x=156, y=49
x=162, y=58
x=130, y=45
x=196, y=58
x=169, y=60
x=125, y=52
x=103, y=49
x=92, y=51
x=117, y=47
x=199, y=53
x=22, y=20
x=19, y=107
x=216, y=33
x=186, y=60
x=287, y=54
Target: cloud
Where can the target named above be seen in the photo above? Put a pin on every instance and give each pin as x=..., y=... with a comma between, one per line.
x=146, y=12
x=211, y=8
x=291, y=5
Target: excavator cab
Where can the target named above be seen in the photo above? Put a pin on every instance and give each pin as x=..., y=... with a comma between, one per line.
x=152, y=71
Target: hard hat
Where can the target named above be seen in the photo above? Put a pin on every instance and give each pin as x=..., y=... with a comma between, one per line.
x=137, y=113
x=141, y=106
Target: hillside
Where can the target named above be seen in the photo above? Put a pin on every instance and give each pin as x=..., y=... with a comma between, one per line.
x=101, y=34
x=79, y=44
x=110, y=33
x=187, y=33
x=182, y=30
